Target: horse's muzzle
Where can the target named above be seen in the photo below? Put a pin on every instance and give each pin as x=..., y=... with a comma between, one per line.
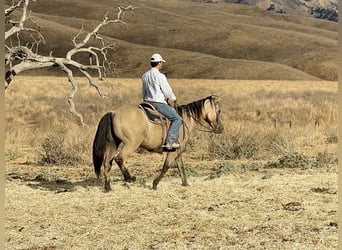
x=218, y=129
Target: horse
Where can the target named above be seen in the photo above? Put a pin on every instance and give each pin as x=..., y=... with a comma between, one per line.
x=129, y=128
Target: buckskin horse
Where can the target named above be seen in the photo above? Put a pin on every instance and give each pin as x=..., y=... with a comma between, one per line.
x=129, y=128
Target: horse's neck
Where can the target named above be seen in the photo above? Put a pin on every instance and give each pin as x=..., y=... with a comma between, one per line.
x=189, y=121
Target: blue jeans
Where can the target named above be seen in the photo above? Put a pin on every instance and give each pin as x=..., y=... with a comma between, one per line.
x=174, y=118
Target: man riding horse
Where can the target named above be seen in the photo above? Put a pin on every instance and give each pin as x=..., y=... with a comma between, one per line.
x=157, y=91
x=127, y=128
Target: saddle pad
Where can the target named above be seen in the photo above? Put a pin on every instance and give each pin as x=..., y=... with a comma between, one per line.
x=152, y=114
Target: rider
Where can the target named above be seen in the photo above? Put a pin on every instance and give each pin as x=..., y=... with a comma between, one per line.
x=157, y=91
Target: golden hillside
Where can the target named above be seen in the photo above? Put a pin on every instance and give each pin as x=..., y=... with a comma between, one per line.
x=200, y=40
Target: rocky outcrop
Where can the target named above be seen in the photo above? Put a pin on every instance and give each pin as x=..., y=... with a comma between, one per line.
x=328, y=14
x=324, y=9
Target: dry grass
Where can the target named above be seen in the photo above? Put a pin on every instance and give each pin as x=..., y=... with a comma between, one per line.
x=235, y=201
x=236, y=211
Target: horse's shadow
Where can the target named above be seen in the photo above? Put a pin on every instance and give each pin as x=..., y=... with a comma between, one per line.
x=62, y=185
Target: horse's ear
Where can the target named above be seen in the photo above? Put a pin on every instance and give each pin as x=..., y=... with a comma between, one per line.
x=216, y=97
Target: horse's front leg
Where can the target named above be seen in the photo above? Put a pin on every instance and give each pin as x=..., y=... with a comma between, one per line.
x=163, y=171
x=180, y=165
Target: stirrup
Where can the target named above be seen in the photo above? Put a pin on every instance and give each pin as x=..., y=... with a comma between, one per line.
x=170, y=146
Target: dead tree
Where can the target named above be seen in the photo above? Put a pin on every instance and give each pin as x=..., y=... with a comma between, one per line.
x=20, y=56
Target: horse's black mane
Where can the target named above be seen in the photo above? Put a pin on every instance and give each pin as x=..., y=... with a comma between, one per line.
x=194, y=109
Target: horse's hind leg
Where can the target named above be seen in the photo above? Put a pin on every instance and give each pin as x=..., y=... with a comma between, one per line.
x=126, y=151
x=127, y=176
x=108, y=161
x=180, y=165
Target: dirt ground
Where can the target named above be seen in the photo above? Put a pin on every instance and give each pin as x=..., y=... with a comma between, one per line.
x=239, y=209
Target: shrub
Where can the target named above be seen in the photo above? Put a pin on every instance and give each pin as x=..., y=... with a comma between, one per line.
x=331, y=136
x=54, y=152
x=323, y=159
x=221, y=168
x=243, y=145
x=291, y=160
x=13, y=154
x=278, y=143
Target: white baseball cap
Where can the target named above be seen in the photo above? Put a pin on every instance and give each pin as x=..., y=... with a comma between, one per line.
x=157, y=58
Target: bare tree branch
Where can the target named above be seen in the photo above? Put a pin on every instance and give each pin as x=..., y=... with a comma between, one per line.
x=21, y=58
x=12, y=8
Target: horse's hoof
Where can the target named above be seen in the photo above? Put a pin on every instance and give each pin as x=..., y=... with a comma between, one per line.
x=107, y=188
x=185, y=184
x=131, y=179
x=154, y=185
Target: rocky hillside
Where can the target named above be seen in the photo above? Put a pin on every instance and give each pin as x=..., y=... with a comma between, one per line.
x=324, y=9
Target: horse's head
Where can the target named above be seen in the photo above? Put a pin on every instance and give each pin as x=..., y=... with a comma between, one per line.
x=211, y=113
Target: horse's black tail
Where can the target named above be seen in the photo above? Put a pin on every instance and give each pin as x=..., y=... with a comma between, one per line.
x=103, y=134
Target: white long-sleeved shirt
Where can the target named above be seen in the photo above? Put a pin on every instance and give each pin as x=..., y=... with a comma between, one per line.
x=155, y=87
